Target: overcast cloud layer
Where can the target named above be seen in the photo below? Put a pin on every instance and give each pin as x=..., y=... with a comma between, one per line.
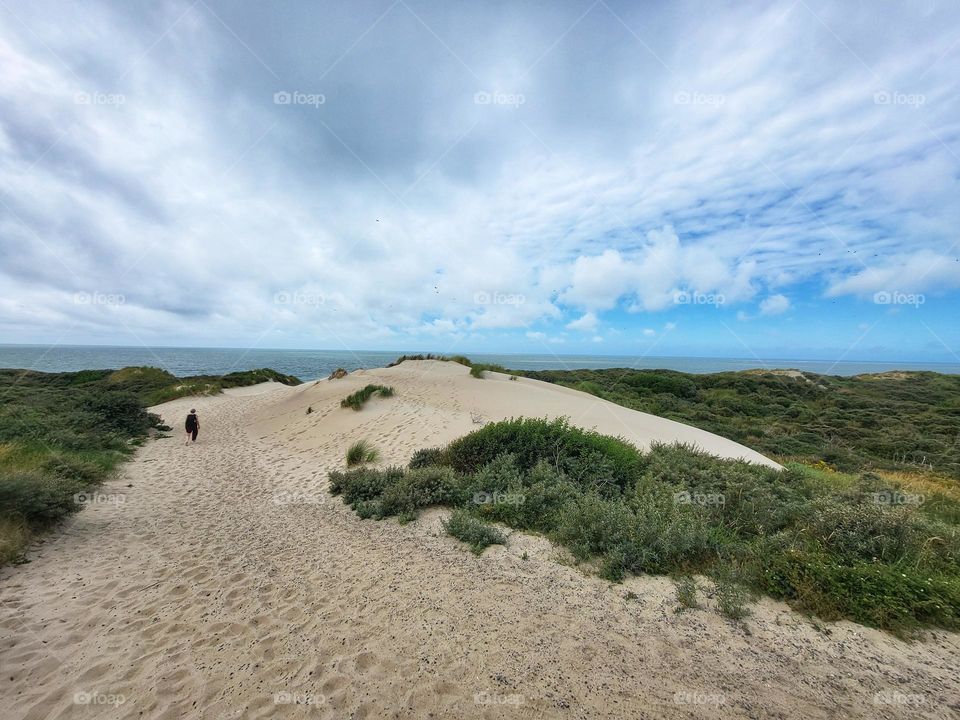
x=749, y=179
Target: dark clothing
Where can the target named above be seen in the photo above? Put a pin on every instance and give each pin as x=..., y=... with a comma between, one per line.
x=192, y=422
x=193, y=433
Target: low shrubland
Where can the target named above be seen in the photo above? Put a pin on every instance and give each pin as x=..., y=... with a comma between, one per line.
x=835, y=545
x=359, y=398
x=902, y=422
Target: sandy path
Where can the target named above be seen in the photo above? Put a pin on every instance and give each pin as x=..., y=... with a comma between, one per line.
x=203, y=596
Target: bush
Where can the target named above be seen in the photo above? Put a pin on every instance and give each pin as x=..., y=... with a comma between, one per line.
x=536, y=504
x=588, y=458
x=687, y=592
x=428, y=457
x=420, y=488
x=362, y=451
x=37, y=499
x=475, y=533
x=731, y=595
x=363, y=483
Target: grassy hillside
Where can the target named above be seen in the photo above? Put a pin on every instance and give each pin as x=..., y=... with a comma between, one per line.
x=907, y=422
x=62, y=434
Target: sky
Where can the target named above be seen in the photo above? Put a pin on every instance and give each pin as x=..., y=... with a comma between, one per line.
x=731, y=179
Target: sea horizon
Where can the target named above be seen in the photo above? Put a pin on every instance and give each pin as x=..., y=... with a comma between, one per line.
x=310, y=364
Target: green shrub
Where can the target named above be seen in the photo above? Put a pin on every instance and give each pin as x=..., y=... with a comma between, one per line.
x=475, y=533
x=427, y=457
x=418, y=489
x=36, y=498
x=586, y=457
x=536, y=503
x=731, y=595
x=363, y=483
x=687, y=592
x=362, y=451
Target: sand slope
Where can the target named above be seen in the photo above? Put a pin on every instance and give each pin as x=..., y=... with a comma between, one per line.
x=228, y=583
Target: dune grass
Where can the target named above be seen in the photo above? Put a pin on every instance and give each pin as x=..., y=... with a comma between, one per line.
x=359, y=398
x=360, y=452
x=829, y=543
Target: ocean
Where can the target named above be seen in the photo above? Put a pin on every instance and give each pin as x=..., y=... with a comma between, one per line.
x=312, y=364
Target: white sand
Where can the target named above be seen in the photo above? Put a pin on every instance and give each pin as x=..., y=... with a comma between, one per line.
x=206, y=593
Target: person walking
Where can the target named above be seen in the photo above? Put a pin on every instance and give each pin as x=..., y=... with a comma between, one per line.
x=192, y=426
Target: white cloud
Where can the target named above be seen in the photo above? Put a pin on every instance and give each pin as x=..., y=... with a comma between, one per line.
x=774, y=305
x=585, y=323
x=649, y=332
x=918, y=272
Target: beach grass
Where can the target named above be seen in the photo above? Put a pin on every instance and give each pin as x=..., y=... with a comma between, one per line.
x=357, y=400
x=360, y=452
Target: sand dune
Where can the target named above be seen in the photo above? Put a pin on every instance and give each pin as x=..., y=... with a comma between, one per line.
x=221, y=581
x=439, y=401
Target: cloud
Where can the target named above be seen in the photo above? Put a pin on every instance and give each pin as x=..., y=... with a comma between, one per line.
x=586, y=323
x=918, y=272
x=176, y=181
x=649, y=332
x=774, y=305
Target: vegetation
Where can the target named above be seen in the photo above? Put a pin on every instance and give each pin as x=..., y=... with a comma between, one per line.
x=154, y=386
x=63, y=434
x=430, y=356
x=889, y=422
x=356, y=400
x=833, y=544
x=687, y=592
x=475, y=533
x=361, y=452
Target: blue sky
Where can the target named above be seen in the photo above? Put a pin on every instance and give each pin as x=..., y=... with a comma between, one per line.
x=770, y=180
